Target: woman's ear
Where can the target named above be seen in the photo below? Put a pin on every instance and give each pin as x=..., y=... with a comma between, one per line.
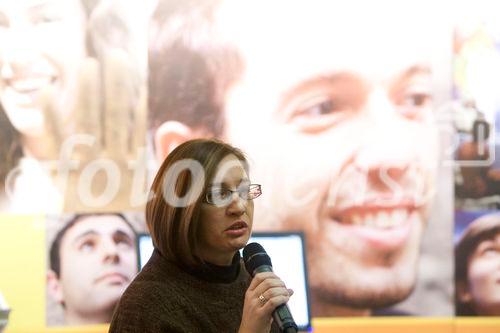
x=54, y=287
x=169, y=135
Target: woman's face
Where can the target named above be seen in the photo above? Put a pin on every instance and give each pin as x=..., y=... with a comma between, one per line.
x=42, y=44
x=484, y=277
x=226, y=229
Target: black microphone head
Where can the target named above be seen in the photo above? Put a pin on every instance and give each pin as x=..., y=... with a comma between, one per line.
x=256, y=260
x=254, y=256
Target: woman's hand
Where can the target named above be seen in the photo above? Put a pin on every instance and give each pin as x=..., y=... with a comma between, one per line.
x=265, y=293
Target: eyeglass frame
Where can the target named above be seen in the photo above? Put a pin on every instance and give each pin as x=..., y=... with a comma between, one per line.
x=230, y=198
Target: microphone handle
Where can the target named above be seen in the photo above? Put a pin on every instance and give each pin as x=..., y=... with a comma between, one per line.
x=281, y=315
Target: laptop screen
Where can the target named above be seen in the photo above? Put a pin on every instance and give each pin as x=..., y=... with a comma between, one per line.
x=287, y=254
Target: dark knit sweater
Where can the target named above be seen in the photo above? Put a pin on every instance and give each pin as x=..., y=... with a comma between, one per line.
x=165, y=298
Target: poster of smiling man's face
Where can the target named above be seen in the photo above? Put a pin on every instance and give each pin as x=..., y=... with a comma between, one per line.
x=339, y=119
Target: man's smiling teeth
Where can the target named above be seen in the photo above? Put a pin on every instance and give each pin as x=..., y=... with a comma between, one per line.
x=383, y=219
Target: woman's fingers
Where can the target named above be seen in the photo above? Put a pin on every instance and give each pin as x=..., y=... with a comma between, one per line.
x=268, y=291
x=273, y=293
x=259, y=278
x=275, y=301
x=269, y=283
x=265, y=293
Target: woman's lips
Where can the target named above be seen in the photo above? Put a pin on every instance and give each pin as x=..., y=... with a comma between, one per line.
x=238, y=228
x=25, y=92
x=30, y=84
x=238, y=225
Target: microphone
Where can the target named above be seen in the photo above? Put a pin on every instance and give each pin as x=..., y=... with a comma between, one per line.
x=257, y=261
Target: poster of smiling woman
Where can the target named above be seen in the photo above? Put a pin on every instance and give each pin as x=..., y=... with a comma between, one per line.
x=72, y=106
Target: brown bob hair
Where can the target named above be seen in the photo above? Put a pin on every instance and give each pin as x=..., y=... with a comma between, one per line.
x=174, y=228
x=483, y=228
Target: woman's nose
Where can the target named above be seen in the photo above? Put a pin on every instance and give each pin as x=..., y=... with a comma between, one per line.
x=237, y=206
x=18, y=50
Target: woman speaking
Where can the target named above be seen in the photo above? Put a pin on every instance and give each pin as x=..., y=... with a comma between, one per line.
x=199, y=216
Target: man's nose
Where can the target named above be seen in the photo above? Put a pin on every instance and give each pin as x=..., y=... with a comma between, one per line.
x=391, y=142
x=384, y=154
x=110, y=252
x=383, y=170
x=380, y=107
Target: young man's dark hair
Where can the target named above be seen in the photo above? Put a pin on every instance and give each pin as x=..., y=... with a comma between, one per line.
x=190, y=70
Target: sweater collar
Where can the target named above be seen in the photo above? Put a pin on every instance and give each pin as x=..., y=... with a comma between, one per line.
x=219, y=274
x=210, y=272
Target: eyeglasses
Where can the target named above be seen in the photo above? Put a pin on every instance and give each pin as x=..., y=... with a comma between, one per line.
x=224, y=196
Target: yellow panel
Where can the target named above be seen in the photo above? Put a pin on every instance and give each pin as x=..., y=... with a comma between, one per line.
x=406, y=325
x=477, y=325
x=383, y=325
x=22, y=262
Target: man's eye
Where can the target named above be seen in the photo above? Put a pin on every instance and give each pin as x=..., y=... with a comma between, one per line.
x=318, y=107
x=87, y=246
x=320, y=111
x=417, y=100
x=123, y=241
x=413, y=105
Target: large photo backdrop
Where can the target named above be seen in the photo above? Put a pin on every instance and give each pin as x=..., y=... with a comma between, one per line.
x=341, y=128
x=370, y=126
